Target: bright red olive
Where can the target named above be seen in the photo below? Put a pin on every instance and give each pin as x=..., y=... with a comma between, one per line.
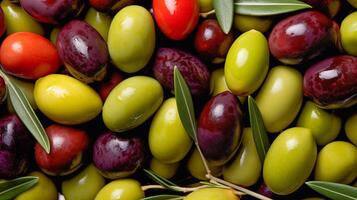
x=106, y=86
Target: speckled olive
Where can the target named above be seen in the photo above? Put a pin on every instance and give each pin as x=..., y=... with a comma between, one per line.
x=60, y=98
x=245, y=23
x=131, y=38
x=163, y=169
x=289, y=160
x=245, y=169
x=196, y=168
x=349, y=34
x=351, y=128
x=246, y=65
x=131, y=103
x=324, y=126
x=337, y=162
x=280, y=98
x=212, y=194
x=168, y=140
x=122, y=189
x=100, y=21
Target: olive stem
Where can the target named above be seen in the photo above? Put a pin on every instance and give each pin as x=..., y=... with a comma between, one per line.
x=206, y=14
x=205, y=164
x=181, y=189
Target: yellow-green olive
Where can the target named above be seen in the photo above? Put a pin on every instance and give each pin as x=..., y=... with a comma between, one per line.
x=206, y=5
x=212, y=194
x=280, y=98
x=337, y=162
x=245, y=23
x=53, y=35
x=247, y=63
x=131, y=103
x=100, y=21
x=163, y=169
x=323, y=125
x=197, y=169
x=353, y=3
x=351, y=128
x=122, y=189
x=349, y=33
x=289, y=160
x=246, y=167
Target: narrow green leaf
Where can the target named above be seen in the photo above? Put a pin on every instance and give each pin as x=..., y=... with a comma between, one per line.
x=164, y=197
x=185, y=104
x=161, y=180
x=260, y=136
x=267, y=7
x=334, y=191
x=26, y=113
x=12, y=188
x=224, y=14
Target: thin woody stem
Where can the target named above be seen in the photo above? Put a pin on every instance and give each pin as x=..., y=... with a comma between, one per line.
x=206, y=14
x=181, y=189
x=205, y=164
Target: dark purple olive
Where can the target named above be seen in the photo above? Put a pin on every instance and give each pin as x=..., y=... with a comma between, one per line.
x=330, y=7
x=109, y=5
x=2, y=22
x=192, y=69
x=219, y=128
x=83, y=51
x=117, y=157
x=2, y=90
x=332, y=83
x=52, y=11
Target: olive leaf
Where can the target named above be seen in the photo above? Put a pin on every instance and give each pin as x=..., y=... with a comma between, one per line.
x=161, y=180
x=26, y=113
x=267, y=7
x=224, y=14
x=334, y=191
x=12, y=188
x=164, y=197
x=260, y=136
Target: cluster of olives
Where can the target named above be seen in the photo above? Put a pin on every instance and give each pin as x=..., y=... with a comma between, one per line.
x=100, y=76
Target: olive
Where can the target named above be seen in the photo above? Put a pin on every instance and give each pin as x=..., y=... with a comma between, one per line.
x=351, y=128
x=163, y=169
x=349, y=34
x=245, y=23
x=27, y=88
x=353, y=3
x=54, y=34
x=122, y=189
x=206, y=5
x=100, y=21
x=330, y=7
x=212, y=194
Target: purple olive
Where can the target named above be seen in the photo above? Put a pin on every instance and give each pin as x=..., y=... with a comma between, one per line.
x=332, y=83
x=83, y=51
x=192, y=69
x=330, y=7
x=117, y=157
x=52, y=11
x=2, y=22
x=2, y=90
x=219, y=128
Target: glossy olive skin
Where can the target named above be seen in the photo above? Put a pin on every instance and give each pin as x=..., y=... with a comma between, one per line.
x=219, y=128
x=246, y=65
x=131, y=45
x=163, y=169
x=324, y=126
x=83, y=186
x=67, y=109
x=100, y=21
x=168, y=140
x=45, y=189
x=302, y=37
x=27, y=88
x=108, y=84
x=17, y=19
x=68, y=146
x=197, y=169
x=16, y=146
x=83, y=51
x=212, y=194
x=244, y=23
x=289, y=160
x=53, y=12
x=331, y=83
x=2, y=22
x=109, y=5
x=192, y=69
x=2, y=90
x=349, y=34
x=280, y=98
x=351, y=128
x=206, y=5
x=116, y=156
x=123, y=189
x=330, y=7
x=337, y=162
x=245, y=169
x=131, y=103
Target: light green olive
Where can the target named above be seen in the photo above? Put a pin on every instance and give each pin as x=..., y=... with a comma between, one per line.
x=349, y=33
x=17, y=19
x=323, y=125
x=53, y=35
x=122, y=189
x=100, y=21
x=27, y=88
x=280, y=98
x=353, y=3
x=289, y=160
x=197, y=169
x=83, y=186
x=246, y=167
x=131, y=103
x=163, y=169
x=212, y=194
x=245, y=23
x=131, y=38
x=247, y=63
x=351, y=128
x=168, y=140
x=206, y=5
x=337, y=162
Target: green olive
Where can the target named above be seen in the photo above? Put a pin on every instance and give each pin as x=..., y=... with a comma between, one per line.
x=280, y=98
x=245, y=23
x=349, y=33
x=323, y=125
x=27, y=88
x=197, y=169
x=131, y=38
x=353, y=3
x=17, y=19
x=122, y=189
x=163, y=169
x=53, y=35
x=45, y=189
x=100, y=21
x=212, y=194
x=247, y=63
x=131, y=103
x=289, y=160
x=83, y=186
x=337, y=162
x=206, y=5
x=246, y=167
x=351, y=128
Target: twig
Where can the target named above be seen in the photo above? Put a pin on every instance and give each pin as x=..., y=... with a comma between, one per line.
x=205, y=164
x=206, y=14
x=181, y=189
